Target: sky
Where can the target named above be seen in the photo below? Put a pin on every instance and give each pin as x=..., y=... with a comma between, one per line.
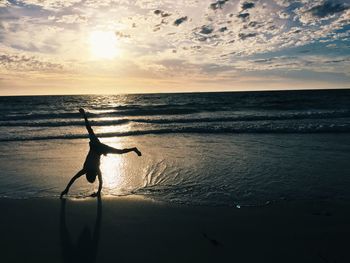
x=120, y=46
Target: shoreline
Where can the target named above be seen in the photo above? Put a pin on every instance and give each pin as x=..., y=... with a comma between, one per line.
x=130, y=229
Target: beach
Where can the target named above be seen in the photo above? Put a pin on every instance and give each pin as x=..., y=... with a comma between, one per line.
x=133, y=229
x=174, y=131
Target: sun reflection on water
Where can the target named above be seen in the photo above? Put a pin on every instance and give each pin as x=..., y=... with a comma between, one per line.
x=121, y=173
x=111, y=172
x=113, y=129
x=112, y=168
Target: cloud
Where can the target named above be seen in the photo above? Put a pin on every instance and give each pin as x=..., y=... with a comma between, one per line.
x=210, y=35
x=69, y=19
x=27, y=63
x=283, y=15
x=223, y=29
x=122, y=35
x=284, y=3
x=328, y=8
x=161, y=13
x=305, y=62
x=50, y=4
x=24, y=34
x=206, y=30
x=4, y=3
x=218, y=4
x=247, y=5
x=180, y=20
x=244, y=36
x=317, y=12
x=243, y=15
x=268, y=26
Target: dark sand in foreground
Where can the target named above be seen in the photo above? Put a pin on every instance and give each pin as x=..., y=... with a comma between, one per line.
x=135, y=230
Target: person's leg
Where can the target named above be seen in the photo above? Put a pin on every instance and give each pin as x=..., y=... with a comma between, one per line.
x=108, y=149
x=75, y=177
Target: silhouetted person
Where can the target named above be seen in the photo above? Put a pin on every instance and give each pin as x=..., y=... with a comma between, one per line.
x=92, y=163
x=85, y=250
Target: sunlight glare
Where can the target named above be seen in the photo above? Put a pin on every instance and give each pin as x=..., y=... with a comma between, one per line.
x=103, y=45
x=111, y=169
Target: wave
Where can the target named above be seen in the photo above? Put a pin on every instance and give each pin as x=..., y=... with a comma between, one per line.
x=307, y=128
x=75, y=122
x=62, y=123
x=70, y=115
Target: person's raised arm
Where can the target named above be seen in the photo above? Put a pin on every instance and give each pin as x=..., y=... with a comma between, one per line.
x=88, y=126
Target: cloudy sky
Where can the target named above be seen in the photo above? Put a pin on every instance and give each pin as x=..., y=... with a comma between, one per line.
x=120, y=46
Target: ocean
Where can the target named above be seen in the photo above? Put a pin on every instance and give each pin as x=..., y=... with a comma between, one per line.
x=226, y=149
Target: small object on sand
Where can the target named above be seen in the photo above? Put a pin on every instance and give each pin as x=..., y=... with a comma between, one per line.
x=238, y=206
x=213, y=241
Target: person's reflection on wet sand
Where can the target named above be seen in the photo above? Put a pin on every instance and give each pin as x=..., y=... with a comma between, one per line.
x=86, y=247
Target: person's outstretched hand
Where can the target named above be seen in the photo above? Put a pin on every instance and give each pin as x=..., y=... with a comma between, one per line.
x=82, y=111
x=63, y=193
x=138, y=152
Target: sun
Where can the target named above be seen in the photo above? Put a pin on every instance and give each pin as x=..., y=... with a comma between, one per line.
x=103, y=45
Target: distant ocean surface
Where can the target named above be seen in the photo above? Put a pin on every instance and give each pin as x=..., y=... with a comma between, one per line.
x=199, y=148
x=50, y=117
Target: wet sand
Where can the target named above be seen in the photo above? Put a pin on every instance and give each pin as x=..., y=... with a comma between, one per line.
x=131, y=229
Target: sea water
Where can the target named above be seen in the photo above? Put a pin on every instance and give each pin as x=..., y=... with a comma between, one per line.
x=238, y=148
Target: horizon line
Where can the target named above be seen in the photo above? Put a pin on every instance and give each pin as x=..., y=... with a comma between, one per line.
x=178, y=92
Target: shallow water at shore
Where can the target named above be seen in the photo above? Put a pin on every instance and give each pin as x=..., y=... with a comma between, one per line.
x=226, y=170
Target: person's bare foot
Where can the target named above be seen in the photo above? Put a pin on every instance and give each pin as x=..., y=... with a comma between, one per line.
x=138, y=152
x=96, y=194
